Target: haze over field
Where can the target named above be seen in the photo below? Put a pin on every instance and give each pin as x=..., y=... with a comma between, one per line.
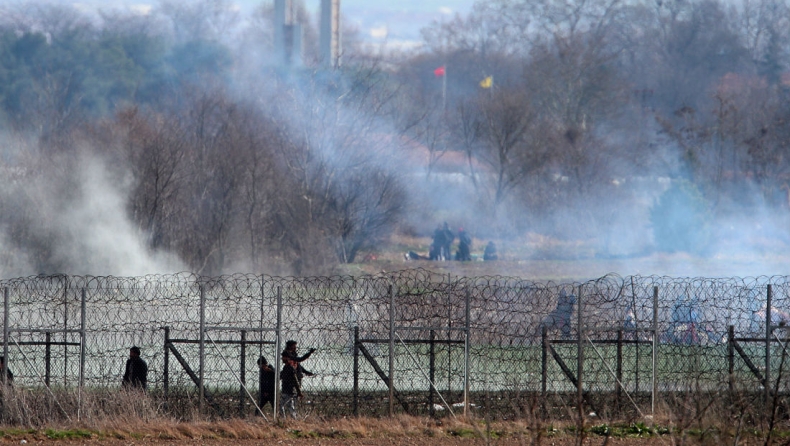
x=149, y=138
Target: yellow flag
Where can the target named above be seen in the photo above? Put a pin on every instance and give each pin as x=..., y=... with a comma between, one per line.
x=488, y=82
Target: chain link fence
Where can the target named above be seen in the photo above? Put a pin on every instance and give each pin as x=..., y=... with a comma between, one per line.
x=410, y=341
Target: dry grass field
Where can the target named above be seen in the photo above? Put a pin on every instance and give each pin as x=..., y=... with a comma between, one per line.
x=401, y=430
x=543, y=259
x=132, y=420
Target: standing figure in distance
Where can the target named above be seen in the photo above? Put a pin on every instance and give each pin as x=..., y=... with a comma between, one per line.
x=266, y=382
x=291, y=389
x=136, y=374
x=490, y=252
x=560, y=317
x=464, y=252
x=292, y=353
x=3, y=369
x=448, y=240
x=437, y=245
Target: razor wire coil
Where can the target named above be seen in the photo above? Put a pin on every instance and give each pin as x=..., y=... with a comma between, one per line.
x=507, y=317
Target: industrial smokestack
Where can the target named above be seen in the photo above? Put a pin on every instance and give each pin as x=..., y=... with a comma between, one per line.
x=330, y=33
x=288, y=45
x=294, y=34
x=279, y=31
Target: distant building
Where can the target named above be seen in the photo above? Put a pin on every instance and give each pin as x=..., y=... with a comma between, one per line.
x=289, y=35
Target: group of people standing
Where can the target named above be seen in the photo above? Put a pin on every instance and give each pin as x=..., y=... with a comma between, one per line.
x=443, y=239
x=135, y=377
x=291, y=376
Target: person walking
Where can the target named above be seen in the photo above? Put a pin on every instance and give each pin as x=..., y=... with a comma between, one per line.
x=136, y=373
x=291, y=351
x=291, y=389
x=9, y=376
x=266, y=382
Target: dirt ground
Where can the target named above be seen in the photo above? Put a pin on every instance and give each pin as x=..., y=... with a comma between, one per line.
x=405, y=441
x=531, y=266
x=399, y=431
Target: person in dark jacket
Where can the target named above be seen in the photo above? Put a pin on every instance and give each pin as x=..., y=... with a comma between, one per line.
x=560, y=317
x=437, y=245
x=464, y=252
x=136, y=374
x=490, y=252
x=291, y=388
x=449, y=237
x=266, y=382
x=292, y=353
x=9, y=376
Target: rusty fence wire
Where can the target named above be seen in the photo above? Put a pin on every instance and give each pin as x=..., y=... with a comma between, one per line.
x=409, y=341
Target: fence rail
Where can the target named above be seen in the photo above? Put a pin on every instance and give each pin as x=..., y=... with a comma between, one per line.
x=410, y=340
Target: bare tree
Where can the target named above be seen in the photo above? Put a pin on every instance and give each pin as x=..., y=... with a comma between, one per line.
x=364, y=210
x=467, y=132
x=514, y=146
x=768, y=158
x=202, y=19
x=155, y=148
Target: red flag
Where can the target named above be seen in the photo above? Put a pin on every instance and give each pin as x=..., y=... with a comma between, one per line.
x=439, y=72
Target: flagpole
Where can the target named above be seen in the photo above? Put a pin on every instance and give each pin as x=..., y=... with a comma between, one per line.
x=444, y=90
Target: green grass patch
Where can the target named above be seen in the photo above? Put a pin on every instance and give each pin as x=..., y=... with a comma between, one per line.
x=633, y=430
x=463, y=432
x=16, y=432
x=298, y=433
x=69, y=434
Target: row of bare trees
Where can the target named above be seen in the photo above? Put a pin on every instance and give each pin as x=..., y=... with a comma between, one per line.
x=591, y=94
x=229, y=184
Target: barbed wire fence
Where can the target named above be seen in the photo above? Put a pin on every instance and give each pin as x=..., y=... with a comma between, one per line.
x=410, y=341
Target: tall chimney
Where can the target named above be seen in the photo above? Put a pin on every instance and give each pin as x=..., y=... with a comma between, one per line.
x=280, y=51
x=330, y=33
x=288, y=34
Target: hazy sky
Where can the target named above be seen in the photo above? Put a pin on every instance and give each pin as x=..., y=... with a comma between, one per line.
x=396, y=21
x=399, y=21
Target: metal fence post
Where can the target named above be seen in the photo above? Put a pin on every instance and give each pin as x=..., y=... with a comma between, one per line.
x=768, y=332
x=355, y=403
x=449, y=344
x=47, y=358
x=83, y=317
x=466, y=353
x=6, y=309
x=202, y=346
x=82, y=351
x=619, y=370
x=243, y=373
x=580, y=353
x=65, y=333
x=654, y=389
x=636, y=334
x=260, y=325
x=544, y=350
x=431, y=371
x=278, y=350
x=392, y=353
x=731, y=357
x=166, y=372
